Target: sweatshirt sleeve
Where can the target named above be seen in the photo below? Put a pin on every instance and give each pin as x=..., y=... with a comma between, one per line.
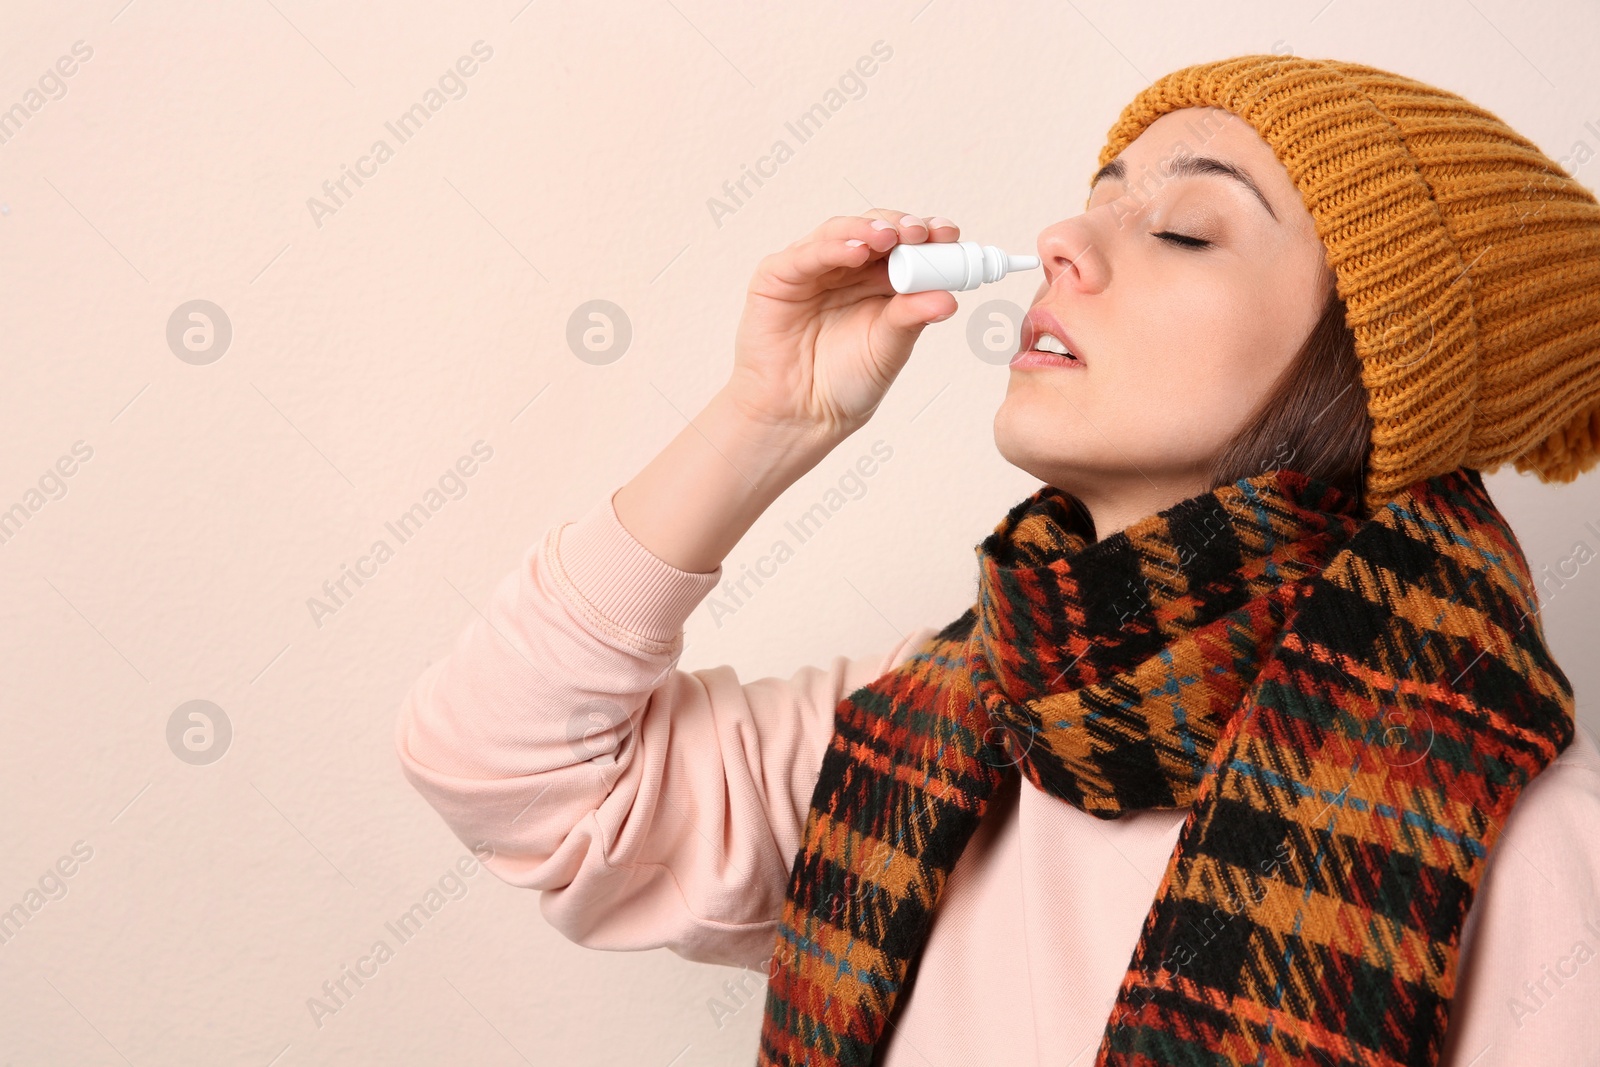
x=652, y=807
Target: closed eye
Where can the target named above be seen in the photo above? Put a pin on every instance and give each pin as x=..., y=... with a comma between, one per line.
x=1182, y=240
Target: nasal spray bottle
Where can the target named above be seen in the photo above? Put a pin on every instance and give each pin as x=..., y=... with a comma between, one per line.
x=954, y=265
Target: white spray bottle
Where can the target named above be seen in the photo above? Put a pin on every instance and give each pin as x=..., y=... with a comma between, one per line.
x=953, y=265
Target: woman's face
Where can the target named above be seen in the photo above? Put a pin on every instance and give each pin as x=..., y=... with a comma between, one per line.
x=1179, y=341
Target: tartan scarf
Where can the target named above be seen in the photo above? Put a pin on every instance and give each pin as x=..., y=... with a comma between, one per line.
x=1350, y=705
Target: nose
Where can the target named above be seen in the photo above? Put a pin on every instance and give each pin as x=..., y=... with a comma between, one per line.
x=1068, y=252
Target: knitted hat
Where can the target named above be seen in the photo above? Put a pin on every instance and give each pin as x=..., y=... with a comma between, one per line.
x=1468, y=261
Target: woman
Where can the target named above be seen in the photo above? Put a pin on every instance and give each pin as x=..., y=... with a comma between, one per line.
x=1250, y=750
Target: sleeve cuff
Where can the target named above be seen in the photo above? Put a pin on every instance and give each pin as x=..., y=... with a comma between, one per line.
x=621, y=587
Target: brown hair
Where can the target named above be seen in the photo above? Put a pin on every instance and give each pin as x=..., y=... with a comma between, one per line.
x=1314, y=419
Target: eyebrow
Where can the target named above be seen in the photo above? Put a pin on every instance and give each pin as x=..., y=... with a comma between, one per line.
x=1186, y=166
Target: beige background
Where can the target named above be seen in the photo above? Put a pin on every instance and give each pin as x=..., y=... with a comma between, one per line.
x=429, y=312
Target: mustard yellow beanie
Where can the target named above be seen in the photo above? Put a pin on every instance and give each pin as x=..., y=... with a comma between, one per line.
x=1468, y=260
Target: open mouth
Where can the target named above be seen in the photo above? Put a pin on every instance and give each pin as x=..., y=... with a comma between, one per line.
x=1050, y=344
x=1046, y=343
x=1047, y=350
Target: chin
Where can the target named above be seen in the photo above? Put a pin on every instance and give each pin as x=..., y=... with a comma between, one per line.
x=1053, y=443
x=1034, y=438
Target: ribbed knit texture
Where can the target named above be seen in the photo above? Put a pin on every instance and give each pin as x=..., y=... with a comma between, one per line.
x=1468, y=260
x=650, y=625
x=1351, y=706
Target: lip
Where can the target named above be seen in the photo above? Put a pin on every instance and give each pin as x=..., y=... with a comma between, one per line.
x=1036, y=323
x=1035, y=358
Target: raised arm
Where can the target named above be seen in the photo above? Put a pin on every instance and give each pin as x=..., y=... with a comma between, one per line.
x=653, y=806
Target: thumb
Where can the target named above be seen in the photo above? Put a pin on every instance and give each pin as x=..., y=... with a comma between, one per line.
x=912, y=311
x=902, y=319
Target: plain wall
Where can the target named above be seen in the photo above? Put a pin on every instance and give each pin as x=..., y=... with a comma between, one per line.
x=374, y=344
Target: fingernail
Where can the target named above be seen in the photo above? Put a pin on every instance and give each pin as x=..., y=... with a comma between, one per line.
x=879, y=224
x=912, y=220
x=939, y=220
x=853, y=243
x=941, y=318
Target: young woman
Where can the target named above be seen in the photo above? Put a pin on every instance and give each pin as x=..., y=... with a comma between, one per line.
x=1250, y=750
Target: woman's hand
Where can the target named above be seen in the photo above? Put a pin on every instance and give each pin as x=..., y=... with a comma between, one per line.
x=823, y=333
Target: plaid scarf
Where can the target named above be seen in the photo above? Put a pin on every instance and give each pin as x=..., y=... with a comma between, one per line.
x=1351, y=706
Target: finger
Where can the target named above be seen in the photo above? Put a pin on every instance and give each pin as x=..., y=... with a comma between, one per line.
x=850, y=241
x=822, y=264
x=871, y=225
x=878, y=235
x=847, y=241
x=911, y=228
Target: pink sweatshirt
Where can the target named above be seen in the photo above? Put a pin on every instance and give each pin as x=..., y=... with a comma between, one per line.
x=658, y=807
